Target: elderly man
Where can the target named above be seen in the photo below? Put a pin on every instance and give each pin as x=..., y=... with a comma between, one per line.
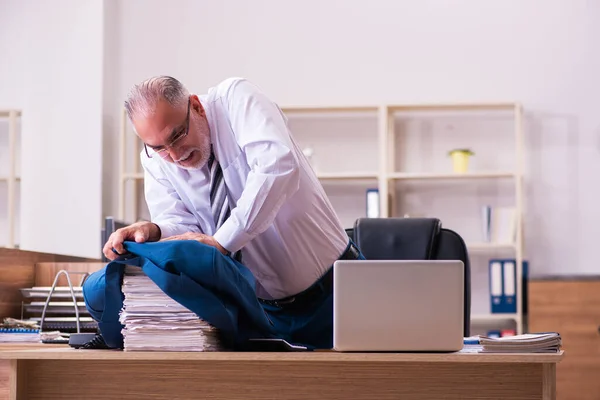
x=223, y=169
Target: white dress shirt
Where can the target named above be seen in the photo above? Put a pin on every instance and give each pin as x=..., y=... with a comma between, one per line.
x=281, y=217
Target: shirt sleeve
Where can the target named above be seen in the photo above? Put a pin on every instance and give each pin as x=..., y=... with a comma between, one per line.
x=164, y=204
x=261, y=131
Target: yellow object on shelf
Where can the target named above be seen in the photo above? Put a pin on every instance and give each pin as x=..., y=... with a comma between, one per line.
x=460, y=160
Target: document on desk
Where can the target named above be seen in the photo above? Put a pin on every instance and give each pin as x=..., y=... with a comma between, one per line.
x=547, y=342
x=155, y=322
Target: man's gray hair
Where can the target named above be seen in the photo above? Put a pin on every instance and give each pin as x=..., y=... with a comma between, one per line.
x=143, y=97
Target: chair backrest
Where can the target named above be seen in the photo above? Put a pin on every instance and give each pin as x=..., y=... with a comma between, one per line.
x=413, y=239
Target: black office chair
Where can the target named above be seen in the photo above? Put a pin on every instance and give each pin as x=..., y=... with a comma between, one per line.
x=413, y=239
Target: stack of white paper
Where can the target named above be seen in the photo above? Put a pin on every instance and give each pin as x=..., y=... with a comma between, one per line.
x=19, y=336
x=155, y=322
x=526, y=343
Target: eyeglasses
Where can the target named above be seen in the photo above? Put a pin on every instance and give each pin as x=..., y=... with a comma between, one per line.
x=162, y=151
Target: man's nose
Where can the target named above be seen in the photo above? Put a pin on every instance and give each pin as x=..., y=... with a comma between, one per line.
x=175, y=154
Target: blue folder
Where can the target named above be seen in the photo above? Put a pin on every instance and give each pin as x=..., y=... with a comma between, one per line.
x=503, y=285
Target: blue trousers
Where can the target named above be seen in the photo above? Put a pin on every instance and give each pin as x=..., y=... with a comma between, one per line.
x=217, y=288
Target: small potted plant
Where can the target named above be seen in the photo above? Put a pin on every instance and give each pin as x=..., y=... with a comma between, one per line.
x=460, y=159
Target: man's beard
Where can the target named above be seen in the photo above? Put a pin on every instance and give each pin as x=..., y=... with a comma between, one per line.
x=202, y=154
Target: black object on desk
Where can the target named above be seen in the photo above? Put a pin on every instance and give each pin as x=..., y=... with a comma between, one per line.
x=77, y=340
x=272, y=345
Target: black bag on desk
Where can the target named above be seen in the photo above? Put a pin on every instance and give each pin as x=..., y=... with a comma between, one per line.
x=412, y=239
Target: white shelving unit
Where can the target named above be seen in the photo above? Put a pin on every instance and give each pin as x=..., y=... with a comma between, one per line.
x=129, y=177
x=389, y=176
x=385, y=175
x=440, y=176
x=11, y=179
x=348, y=176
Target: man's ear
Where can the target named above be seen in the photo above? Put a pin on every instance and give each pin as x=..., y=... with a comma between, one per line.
x=196, y=105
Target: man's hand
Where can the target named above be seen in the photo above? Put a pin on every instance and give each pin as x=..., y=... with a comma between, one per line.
x=140, y=232
x=202, y=238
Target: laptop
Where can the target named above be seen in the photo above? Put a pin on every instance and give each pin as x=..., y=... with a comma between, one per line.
x=398, y=305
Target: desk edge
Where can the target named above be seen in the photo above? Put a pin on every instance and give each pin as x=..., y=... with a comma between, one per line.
x=319, y=356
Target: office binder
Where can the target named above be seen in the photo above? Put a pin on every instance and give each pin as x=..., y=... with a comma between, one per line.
x=372, y=203
x=525, y=277
x=486, y=220
x=496, y=290
x=503, y=285
x=509, y=286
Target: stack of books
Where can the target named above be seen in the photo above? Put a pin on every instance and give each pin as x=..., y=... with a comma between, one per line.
x=548, y=342
x=155, y=322
x=19, y=331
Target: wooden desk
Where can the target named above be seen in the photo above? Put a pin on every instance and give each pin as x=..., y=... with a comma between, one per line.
x=105, y=374
x=5, y=365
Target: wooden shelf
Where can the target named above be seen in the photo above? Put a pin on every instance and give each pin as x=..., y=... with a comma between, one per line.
x=447, y=176
x=6, y=113
x=348, y=176
x=455, y=107
x=495, y=317
x=324, y=176
x=132, y=176
x=491, y=246
x=324, y=109
x=508, y=106
x=4, y=178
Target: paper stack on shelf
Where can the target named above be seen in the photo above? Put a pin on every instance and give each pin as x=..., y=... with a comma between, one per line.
x=549, y=342
x=155, y=322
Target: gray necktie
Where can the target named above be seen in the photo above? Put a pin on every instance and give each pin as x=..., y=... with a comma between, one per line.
x=218, y=197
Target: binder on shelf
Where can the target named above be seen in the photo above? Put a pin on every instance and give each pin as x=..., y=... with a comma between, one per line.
x=503, y=285
x=486, y=218
x=509, y=275
x=372, y=203
x=496, y=290
x=498, y=224
x=525, y=277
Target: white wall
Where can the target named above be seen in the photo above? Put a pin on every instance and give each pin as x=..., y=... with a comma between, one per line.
x=541, y=53
x=12, y=51
x=56, y=78
x=11, y=97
